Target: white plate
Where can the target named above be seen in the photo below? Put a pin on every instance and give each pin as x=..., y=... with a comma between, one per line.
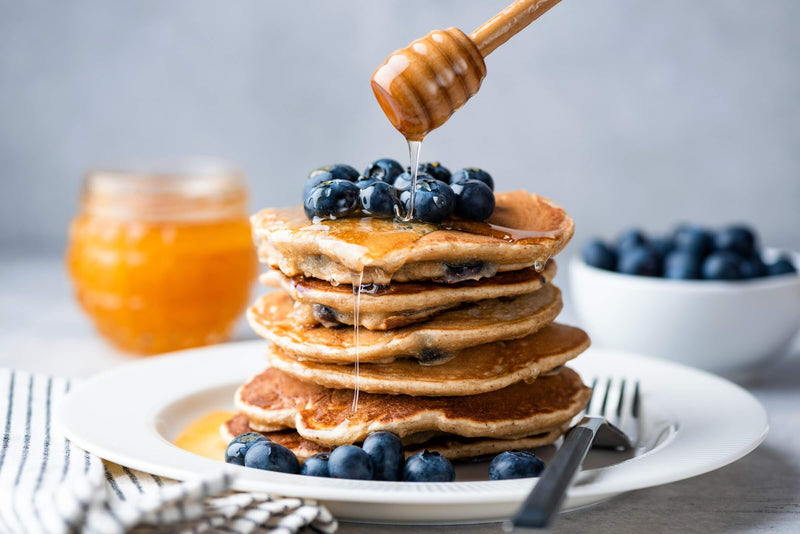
x=692, y=423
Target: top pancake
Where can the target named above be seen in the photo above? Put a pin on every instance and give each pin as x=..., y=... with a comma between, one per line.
x=524, y=230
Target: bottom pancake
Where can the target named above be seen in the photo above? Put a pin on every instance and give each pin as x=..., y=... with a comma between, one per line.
x=450, y=446
x=327, y=416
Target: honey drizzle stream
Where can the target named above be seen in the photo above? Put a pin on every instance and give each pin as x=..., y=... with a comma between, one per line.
x=356, y=327
x=414, y=148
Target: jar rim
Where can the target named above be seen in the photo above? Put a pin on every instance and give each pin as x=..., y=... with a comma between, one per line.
x=191, y=177
x=189, y=189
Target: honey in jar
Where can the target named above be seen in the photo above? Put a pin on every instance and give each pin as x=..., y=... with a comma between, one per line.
x=163, y=260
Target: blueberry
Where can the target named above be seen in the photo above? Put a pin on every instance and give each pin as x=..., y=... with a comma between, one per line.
x=403, y=181
x=349, y=461
x=428, y=466
x=316, y=465
x=385, y=170
x=739, y=239
x=638, y=260
x=515, y=464
x=662, y=246
x=326, y=316
x=363, y=183
x=682, y=265
x=598, y=254
x=326, y=174
x=385, y=450
x=380, y=199
x=435, y=169
x=694, y=239
x=783, y=266
x=752, y=267
x=271, y=456
x=722, y=266
x=472, y=173
x=474, y=200
x=331, y=200
x=458, y=272
x=239, y=446
x=434, y=201
x=632, y=238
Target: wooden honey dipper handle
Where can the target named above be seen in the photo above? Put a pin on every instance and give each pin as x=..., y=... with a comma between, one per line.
x=508, y=23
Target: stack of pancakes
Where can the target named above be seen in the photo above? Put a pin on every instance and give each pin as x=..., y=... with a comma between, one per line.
x=442, y=334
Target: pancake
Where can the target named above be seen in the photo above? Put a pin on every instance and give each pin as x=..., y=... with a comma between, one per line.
x=457, y=447
x=471, y=371
x=400, y=304
x=317, y=314
x=448, y=445
x=431, y=342
x=326, y=415
x=525, y=230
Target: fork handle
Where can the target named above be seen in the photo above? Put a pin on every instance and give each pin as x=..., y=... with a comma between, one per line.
x=545, y=500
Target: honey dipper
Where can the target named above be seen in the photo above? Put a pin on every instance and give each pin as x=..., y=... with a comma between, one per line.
x=420, y=86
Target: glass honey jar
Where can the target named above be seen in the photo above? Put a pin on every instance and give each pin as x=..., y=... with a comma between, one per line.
x=163, y=260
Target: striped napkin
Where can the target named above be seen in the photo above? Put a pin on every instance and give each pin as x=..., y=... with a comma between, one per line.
x=49, y=485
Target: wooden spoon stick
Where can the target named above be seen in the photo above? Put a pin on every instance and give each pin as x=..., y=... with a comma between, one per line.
x=508, y=22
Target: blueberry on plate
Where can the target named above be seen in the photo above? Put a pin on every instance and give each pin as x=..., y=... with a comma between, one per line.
x=783, y=266
x=638, y=260
x=752, y=267
x=316, y=465
x=739, y=239
x=435, y=169
x=694, y=239
x=428, y=466
x=597, y=254
x=385, y=170
x=385, y=450
x=722, y=266
x=238, y=447
x=379, y=199
x=328, y=173
x=472, y=173
x=474, y=200
x=633, y=238
x=271, y=456
x=515, y=464
x=332, y=200
x=682, y=265
x=434, y=201
x=349, y=461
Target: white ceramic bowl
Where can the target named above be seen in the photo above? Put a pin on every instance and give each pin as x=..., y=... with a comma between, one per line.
x=729, y=328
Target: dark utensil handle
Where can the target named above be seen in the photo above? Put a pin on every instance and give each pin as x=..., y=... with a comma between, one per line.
x=546, y=498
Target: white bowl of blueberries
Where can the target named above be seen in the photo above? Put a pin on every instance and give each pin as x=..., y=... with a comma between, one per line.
x=713, y=299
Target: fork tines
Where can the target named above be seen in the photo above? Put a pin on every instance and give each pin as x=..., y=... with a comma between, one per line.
x=618, y=400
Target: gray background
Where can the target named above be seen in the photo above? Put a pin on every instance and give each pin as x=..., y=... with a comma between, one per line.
x=624, y=111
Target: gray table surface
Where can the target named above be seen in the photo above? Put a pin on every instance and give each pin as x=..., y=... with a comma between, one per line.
x=43, y=330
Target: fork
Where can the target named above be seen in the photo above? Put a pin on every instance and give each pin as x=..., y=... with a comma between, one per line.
x=604, y=424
